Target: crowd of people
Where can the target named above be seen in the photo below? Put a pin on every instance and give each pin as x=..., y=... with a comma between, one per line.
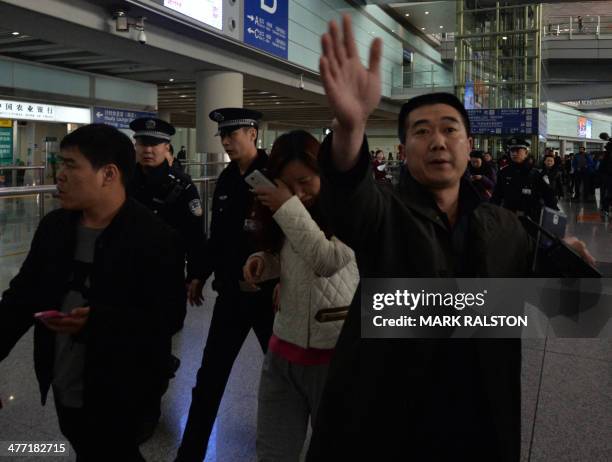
x=118, y=262
x=575, y=177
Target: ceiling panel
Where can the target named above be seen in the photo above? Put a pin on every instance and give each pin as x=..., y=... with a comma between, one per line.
x=429, y=17
x=179, y=96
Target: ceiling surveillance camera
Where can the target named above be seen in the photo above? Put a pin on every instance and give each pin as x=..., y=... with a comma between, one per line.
x=301, y=83
x=142, y=37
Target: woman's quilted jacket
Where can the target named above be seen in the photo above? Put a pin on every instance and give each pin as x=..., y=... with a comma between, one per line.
x=316, y=274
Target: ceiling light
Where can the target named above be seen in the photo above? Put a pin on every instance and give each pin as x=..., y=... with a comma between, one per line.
x=422, y=28
x=15, y=33
x=407, y=14
x=278, y=102
x=441, y=27
x=427, y=12
x=183, y=96
x=504, y=38
x=170, y=79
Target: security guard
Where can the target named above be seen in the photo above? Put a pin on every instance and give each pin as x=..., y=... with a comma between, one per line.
x=520, y=187
x=239, y=307
x=169, y=193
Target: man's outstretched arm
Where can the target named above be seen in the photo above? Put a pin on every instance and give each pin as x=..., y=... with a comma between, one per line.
x=353, y=91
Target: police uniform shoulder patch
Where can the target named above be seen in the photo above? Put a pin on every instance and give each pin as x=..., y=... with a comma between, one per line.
x=195, y=207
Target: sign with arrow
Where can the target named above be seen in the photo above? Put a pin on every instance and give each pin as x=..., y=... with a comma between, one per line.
x=523, y=121
x=266, y=26
x=118, y=118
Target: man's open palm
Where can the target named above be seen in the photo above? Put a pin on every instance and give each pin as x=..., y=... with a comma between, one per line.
x=352, y=90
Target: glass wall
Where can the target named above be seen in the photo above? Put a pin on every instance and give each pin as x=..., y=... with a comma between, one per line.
x=498, y=50
x=498, y=61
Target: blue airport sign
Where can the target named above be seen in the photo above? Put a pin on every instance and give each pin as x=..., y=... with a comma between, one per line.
x=266, y=26
x=522, y=121
x=118, y=118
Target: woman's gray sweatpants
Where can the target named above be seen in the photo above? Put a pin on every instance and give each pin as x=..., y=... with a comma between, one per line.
x=289, y=394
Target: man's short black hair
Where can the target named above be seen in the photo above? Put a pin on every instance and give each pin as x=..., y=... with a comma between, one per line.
x=477, y=154
x=102, y=145
x=428, y=100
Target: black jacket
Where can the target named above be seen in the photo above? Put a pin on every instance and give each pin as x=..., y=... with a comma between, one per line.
x=554, y=178
x=486, y=183
x=605, y=166
x=231, y=238
x=137, y=302
x=419, y=399
x=168, y=192
x=521, y=188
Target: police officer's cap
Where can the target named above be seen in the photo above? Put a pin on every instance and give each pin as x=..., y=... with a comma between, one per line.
x=151, y=131
x=230, y=118
x=515, y=143
x=477, y=154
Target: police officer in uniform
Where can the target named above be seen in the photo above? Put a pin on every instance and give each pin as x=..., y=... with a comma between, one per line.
x=239, y=307
x=169, y=193
x=520, y=187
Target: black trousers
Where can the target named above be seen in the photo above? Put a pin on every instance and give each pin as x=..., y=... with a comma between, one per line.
x=234, y=315
x=606, y=193
x=98, y=438
x=584, y=179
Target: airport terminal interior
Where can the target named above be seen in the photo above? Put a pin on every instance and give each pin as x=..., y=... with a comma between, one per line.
x=537, y=72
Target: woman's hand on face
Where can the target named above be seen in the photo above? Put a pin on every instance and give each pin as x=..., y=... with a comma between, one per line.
x=274, y=198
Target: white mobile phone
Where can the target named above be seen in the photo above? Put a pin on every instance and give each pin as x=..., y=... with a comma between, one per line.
x=256, y=179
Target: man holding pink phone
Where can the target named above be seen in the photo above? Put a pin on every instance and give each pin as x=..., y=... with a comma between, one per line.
x=103, y=286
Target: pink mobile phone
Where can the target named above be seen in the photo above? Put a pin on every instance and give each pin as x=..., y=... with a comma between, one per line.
x=50, y=314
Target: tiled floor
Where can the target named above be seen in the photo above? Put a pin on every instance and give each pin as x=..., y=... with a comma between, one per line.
x=567, y=384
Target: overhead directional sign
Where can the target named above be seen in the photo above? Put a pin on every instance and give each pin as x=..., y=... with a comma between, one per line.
x=266, y=26
x=118, y=118
x=522, y=121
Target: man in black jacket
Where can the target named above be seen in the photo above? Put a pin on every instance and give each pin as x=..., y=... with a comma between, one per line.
x=520, y=187
x=114, y=272
x=423, y=399
x=169, y=193
x=239, y=307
